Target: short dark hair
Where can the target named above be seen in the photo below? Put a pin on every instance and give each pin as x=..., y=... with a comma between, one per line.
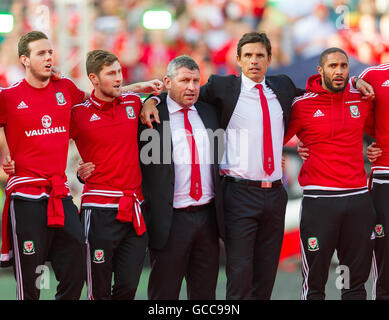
x=97, y=59
x=183, y=61
x=254, y=37
x=325, y=53
x=23, y=48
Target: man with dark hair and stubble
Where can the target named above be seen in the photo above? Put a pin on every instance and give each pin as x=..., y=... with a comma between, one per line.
x=336, y=211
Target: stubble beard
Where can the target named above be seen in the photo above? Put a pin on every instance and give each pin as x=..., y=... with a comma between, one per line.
x=330, y=86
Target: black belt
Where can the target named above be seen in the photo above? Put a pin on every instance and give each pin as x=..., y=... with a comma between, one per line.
x=255, y=183
x=196, y=208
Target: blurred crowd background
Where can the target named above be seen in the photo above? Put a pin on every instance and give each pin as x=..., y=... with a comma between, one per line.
x=207, y=30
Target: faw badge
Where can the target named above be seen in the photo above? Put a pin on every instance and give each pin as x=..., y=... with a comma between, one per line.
x=60, y=98
x=130, y=112
x=28, y=247
x=98, y=256
x=354, y=111
x=379, y=231
x=313, y=244
x=46, y=121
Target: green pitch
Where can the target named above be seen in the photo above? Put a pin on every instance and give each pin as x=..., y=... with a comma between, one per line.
x=287, y=285
x=8, y=286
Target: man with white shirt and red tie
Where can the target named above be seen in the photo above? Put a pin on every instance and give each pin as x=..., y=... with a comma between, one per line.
x=181, y=187
x=254, y=110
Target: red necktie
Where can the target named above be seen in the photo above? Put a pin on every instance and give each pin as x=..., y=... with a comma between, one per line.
x=195, y=181
x=268, y=160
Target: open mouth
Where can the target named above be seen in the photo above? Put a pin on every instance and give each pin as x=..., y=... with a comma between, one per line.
x=338, y=81
x=48, y=67
x=190, y=95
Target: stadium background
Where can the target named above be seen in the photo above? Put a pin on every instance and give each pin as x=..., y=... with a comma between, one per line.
x=207, y=30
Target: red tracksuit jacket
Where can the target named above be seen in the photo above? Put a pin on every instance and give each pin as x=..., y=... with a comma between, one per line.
x=378, y=77
x=331, y=125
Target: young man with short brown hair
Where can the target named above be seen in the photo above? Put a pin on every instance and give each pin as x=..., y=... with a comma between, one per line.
x=105, y=129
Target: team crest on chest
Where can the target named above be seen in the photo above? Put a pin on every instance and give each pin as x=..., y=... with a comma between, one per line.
x=60, y=98
x=130, y=112
x=354, y=111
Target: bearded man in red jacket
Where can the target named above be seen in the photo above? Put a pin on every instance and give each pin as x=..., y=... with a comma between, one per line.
x=336, y=212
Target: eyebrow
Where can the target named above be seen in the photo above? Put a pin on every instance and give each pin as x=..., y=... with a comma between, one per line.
x=44, y=50
x=338, y=63
x=257, y=54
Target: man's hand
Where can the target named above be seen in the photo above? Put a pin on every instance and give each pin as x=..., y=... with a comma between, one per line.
x=373, y=152
x=85, y=170
x=154, y=87
x=303, y=152
x=149, y=113
x=366, y=89
x=8, y=165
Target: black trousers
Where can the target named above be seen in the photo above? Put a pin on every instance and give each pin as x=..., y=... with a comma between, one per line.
x=113, y=247
x=34, y=243
x=344, y=224
x=191, y=252
x=380, y=199
x=254, y=220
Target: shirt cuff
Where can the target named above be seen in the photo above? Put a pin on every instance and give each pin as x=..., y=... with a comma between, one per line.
x=156, y=98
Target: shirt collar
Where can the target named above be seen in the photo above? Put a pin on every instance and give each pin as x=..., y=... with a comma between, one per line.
x=250, y=84
x=100, y=104
x=174, y=107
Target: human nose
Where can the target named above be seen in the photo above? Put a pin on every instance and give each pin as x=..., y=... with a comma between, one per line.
x=191, y=85
x=49, y=56
x=119, y=77
x=339, y=70
x=254, y=60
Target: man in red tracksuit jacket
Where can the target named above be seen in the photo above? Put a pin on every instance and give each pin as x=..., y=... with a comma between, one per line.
x=336, y=212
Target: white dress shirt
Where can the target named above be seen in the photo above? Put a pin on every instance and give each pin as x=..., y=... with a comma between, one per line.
x=243, y=157
x=182, y=156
